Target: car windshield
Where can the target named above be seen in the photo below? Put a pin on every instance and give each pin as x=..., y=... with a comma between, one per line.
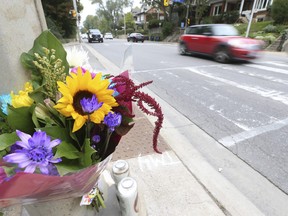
x=225, y=30
x=94, y=31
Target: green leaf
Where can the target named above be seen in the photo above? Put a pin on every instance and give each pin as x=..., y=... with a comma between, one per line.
x=86, y=156
x=57, y=132
x=48, y=40
x=27, y=61
x=21, y=119
x=37, y=95
x=35, y=120
x=67, y=150
x=68, y=166
x=9, y=170
x=6, y=140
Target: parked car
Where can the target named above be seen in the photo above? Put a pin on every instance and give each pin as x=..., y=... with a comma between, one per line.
x=94, y=35
x=84, y=36
x=108, y=35
x=221, y=41
x=135, y=37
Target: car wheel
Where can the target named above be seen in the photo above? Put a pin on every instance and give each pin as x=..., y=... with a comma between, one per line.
x=134, y=40
x=222, y=55
x=89, y=41
x=182, y=49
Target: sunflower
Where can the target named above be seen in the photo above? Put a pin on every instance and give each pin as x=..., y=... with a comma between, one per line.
x=79, y=86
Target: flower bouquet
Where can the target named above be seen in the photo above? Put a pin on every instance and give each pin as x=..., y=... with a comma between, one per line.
x=58, y=133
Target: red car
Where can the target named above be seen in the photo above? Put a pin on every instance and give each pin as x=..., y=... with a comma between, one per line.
x=221, y=41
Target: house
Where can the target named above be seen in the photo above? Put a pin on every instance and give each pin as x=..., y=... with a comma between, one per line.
x=244, y=7
x=142, y=16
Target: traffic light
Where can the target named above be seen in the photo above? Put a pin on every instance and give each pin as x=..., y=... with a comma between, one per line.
x=188, y=21
x=166, y=3
x=73, y=14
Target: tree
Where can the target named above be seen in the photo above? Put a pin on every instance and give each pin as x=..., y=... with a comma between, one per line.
x=111, y=11
x=91, y=22
x=201, y=6
x=129, y=20
x=279, y=11
x=59, y=20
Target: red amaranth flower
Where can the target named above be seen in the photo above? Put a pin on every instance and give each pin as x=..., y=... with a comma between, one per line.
x=130, y=92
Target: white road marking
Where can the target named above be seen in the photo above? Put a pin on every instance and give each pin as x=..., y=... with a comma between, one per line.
x=276, y=63
x=271, y=69
x=268, y=93
x=236, y=138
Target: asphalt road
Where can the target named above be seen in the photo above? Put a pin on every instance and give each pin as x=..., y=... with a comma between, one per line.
x=243, y=106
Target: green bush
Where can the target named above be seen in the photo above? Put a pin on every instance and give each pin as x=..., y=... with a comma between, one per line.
x=129, y=30
x=207, y=20
x=167, y=28
x=154, y=23
x=268, y=39
x=270, y=29
x=231, y=17
x=279, y=11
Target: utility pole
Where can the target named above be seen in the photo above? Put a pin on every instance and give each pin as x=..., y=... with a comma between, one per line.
x=187, y=13
x=78, y=38
x=124, y=25
x=251, y=18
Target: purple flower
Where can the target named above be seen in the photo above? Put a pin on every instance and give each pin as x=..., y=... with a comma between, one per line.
x=112, y=120
x=96, y=138
x=89, y=105
x=74, y=70
x=36, y=152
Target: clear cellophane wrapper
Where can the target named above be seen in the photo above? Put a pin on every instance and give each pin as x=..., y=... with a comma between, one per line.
x=27, y=188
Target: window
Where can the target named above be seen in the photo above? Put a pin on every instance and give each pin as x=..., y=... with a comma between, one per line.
x=217, y=10
x=262, y=4
x=191, y=30
x=206, y=30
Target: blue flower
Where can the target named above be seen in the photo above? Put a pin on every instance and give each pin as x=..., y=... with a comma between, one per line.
x=5, y=100
x=89, y=105
x=96, y=138
x=35, y=151
x=112, y=120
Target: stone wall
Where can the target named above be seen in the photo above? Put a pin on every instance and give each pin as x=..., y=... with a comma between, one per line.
x=20, y=23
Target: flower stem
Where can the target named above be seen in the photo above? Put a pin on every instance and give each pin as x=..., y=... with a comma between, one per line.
x=108, y=134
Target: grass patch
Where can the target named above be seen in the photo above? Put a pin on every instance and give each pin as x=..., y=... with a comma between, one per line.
x=266, y=31
x=258, y=28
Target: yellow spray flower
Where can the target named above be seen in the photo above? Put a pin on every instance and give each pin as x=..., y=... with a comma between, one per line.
x=79, y=86
x=22, y=99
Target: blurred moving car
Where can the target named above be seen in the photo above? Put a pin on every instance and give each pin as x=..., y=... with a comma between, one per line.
x=221, y=41
x=94, y=35
x=135, y=37
x=108, y=35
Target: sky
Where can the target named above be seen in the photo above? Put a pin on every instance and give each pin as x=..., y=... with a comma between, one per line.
x=89, y=9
